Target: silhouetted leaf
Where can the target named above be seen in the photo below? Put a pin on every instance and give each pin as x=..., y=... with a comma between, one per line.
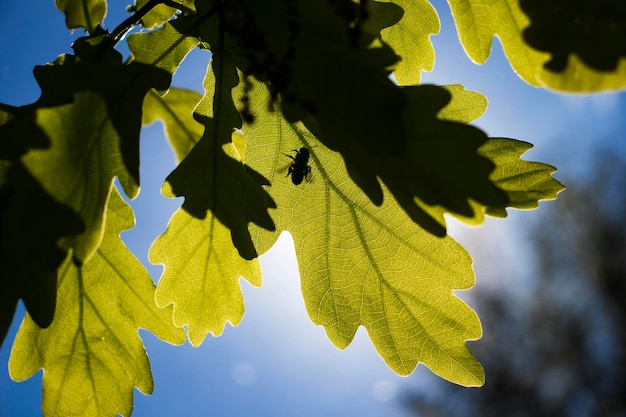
x=440, y=166
x=8, y=304
x=525, y=183
x=390, y=134
x=92, y=355
x=81, y=164
x=209, y=177
x=317, y=67
x=32, y=224
x=8, y=294
x=50, y=135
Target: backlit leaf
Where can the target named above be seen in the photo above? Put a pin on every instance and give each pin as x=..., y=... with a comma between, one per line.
x=201, y=277
x=92, y=355
x=87, y=14
x=478, y=21
x=165, y=47
x=410, y=39
x=363, y=264
x=175, y=111
x=390, y=135
x=525, y=182
x=81, y=164
x=156, y=16
x=93, y=139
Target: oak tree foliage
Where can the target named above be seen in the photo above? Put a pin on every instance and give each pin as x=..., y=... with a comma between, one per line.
x=389, y=158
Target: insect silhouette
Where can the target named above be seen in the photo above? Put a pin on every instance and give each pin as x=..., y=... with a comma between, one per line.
x=300, y=168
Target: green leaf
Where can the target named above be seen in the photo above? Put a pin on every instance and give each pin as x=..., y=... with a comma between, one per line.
x=31, y=223
x=19, y=132
x=87, y=14
x=201, y=278
x=81, y=164
x=162, y=13
x=211, y=178
x=175, y=110
x=156, y=16
x=362, y=264
x=165, y=47
x=440, y=165
x=410, y=39
x=93, y=139
x=61, y=145
x=478, y=21
x=465, y=106
x=390, y=135
x=92, y=355
x=524, y=182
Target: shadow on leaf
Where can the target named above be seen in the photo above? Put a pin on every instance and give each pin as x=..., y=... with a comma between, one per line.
x=31, y=225
x=211, y=179
x=440, y=166
x=594, y=30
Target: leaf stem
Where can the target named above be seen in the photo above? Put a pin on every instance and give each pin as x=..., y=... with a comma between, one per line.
x=122, y=29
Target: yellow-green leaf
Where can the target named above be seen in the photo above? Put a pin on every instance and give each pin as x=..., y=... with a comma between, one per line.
x=362, y=264
x=90, y=115
x=201, y=275
x=156, y=16
x=161, y=13
x=410, y=38
x=91, y=354
x=525, y=182
x=465, y=105
x=81, y=164
x=87, y=14
x=165, y=47
x=175, y=110
x=478, y=21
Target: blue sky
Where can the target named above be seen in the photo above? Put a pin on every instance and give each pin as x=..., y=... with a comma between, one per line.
x=277, y=363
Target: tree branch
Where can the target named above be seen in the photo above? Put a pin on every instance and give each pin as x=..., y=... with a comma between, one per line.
x=122, y=29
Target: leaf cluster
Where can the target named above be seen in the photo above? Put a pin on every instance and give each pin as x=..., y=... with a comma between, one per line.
x=388, y=159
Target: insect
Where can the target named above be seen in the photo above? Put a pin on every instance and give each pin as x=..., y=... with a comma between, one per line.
x=300, y=168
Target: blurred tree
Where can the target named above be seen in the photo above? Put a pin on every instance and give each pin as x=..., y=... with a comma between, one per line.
x=559, y=350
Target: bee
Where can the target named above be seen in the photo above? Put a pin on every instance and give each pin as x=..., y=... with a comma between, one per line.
x=300, y=168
